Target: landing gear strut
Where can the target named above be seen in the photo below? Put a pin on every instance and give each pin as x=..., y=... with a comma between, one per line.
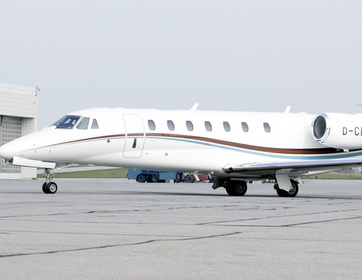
x=49, y=187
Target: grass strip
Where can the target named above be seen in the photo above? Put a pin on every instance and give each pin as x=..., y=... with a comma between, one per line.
x=106, y=173
x=337, y=176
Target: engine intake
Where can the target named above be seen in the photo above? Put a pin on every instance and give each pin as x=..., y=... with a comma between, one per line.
x=340, y=131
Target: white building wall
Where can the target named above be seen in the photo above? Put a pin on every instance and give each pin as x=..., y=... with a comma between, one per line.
x=18, y=101
x=18, y=105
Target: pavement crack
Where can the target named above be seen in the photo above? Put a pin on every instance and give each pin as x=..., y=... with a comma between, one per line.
x=276, y=217
x=323, y=221
x=118, y=245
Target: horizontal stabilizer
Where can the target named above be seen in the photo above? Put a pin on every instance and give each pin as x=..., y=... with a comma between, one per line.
x=32, y=163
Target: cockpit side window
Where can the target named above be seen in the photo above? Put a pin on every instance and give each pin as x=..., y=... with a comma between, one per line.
x=67, y=122
x=83, y=124
x=95, y=124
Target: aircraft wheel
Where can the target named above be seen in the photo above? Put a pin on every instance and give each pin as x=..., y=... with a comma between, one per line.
x=50, y=188
x=44, y=188
x=292, y=192
x=236, y=188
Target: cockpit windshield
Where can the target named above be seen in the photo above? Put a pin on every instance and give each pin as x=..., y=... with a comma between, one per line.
x=67, y=122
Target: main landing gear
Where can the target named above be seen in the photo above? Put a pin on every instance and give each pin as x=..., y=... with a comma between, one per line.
x=236, y=188
x=239, y=187
x=49, y=187
x=291, y=192
x=232, y=187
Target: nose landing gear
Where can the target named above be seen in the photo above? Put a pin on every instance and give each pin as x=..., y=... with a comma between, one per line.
x=49, y=187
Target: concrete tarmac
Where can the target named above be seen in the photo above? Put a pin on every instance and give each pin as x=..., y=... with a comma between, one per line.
x=119, y=229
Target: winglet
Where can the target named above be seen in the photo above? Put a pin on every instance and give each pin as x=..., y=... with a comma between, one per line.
x=287, y=110
x=194, y=108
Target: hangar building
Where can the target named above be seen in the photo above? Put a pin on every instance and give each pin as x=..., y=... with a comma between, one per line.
x=18, y=113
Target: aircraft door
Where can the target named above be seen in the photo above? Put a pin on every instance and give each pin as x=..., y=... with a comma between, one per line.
x=135, y=136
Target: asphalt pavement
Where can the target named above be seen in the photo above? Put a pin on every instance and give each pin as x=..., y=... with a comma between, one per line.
x=120, y=229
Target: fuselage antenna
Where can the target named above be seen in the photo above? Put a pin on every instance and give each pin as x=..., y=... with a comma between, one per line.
x=194, y=108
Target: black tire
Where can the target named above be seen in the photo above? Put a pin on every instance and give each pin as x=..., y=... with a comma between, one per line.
x=141, y=178
x=50, y=188
x=45, y=188
x=236, y=188
x=292, y=192
x=189, y=179
x=154, y=179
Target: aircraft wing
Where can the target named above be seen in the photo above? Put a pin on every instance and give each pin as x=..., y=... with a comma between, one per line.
x=296, y=168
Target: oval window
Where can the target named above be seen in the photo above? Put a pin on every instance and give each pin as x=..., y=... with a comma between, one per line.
x=170, y=125
x=267, y=127
x=208, y=126
x=151, y=125
x=226, y=126
x=189, y=125
x=245, y=127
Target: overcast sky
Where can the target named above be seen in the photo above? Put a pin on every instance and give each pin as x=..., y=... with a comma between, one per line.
x=258, y=55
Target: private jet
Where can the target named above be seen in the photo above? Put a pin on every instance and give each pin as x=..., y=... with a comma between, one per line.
x=234, y=147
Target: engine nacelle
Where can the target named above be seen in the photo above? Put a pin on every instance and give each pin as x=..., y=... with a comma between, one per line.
x=340, y=131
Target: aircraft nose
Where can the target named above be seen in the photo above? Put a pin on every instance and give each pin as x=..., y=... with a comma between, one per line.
x=20, y=147
x=7, y=151
x=2, y=152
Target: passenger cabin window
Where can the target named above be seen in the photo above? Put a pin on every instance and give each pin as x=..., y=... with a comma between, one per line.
x=67, y=122
x=226, y=126
x=83, y=124
x=245, y=127
x=189, y=125
x=267, y=127
x=95, y=124
x=208, y=126
x=170, y=125
x=151, y=125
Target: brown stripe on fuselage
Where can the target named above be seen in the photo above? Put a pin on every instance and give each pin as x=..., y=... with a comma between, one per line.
x=248, y=147
x=315, y=151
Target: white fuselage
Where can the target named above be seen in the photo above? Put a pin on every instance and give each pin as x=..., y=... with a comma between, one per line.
x=176, y=140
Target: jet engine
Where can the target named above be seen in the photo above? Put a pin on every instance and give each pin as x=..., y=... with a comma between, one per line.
x=340, y=131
